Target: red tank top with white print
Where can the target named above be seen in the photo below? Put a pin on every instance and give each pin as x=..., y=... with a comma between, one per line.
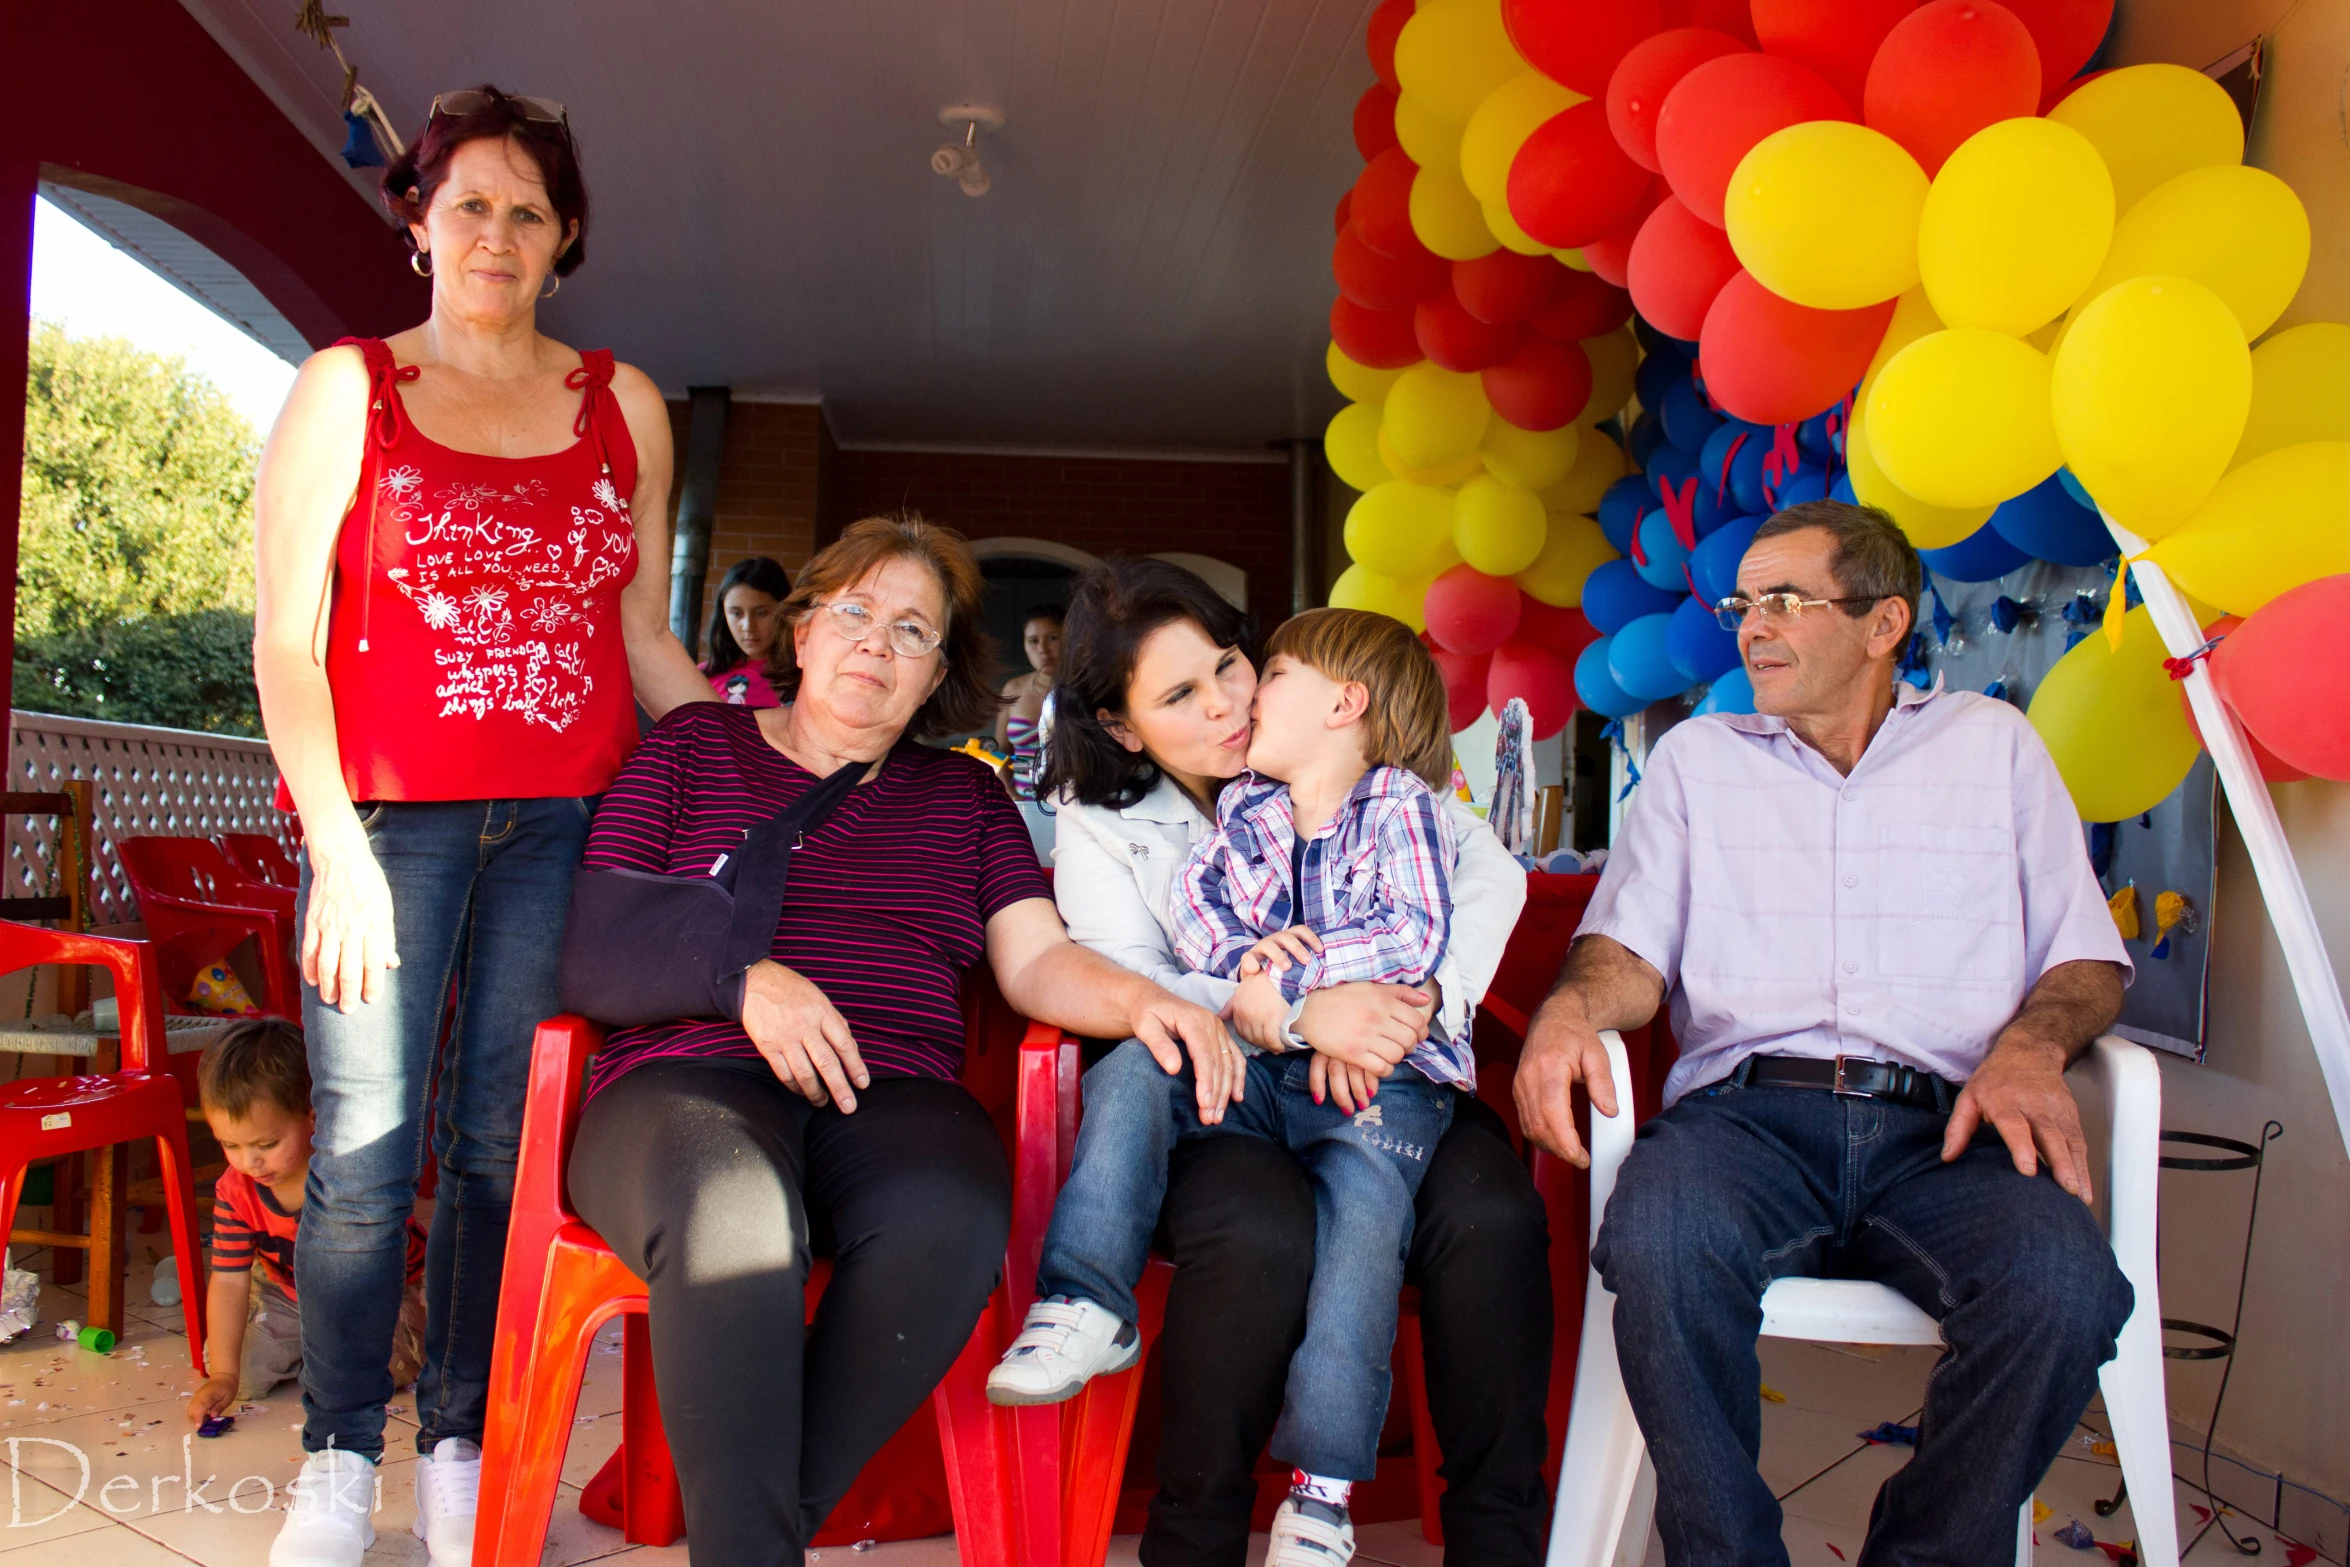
x=474, y=648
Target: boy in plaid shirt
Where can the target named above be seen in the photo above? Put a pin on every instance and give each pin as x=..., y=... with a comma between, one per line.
x=1330, y=863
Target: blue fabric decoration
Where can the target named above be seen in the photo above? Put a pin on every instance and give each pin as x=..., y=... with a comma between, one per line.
x=2080, y=613
x=2006, y=613
x=1943, y=619
x=2101, y=848
x=359, y=148
x=1997, y=690
x=1888, y=1432
x=1613, y=733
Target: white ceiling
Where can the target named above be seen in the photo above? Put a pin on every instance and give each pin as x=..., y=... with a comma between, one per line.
x=1151, y=269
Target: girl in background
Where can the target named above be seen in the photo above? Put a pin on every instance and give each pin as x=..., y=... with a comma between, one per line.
x=1016, y=725
x=742, y=631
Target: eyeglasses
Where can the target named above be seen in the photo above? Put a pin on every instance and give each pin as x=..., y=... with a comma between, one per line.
x=1777, y=608
x=855, y=623
x=546, y=111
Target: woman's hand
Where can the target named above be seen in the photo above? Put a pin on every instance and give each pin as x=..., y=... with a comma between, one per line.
x=347, y=932
x=215, y=1395
x=1169, y=1026
x=1343, y=1081
x=1371, y=1025
x=803, y=1037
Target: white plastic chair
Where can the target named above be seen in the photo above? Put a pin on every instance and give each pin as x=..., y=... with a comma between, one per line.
x=1606, y=1486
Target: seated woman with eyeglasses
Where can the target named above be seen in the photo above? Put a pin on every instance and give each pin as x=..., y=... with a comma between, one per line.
x=716, y=1156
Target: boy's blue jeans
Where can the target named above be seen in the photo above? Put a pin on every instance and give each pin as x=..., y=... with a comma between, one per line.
x=1365, y=1170
x=480, y=892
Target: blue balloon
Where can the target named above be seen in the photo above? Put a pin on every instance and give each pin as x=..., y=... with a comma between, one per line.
x=1670, y=465
x=1732, y=693
x=1710, y=512
x=1666, y=556
x=1639, y=659
x=2075, y=488
x=2046, y=523
x=1597, y=688
x=1657, y=345
x=1696, y=643
x=1812, y=435
x=1645, y=436
x=1982, y=556
x=1746, y=475
x=1713, y=565
x=1806, y=483
x=1621, y=507
x=1614, y=596
x=1688, y=422
x=1657, y=372
x=1841, y=490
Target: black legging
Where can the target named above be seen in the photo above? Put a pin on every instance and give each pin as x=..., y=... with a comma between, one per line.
x=717, y=1184
x=1239, y=1223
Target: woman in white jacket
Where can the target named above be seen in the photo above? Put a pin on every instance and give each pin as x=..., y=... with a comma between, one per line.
x=1150, y=720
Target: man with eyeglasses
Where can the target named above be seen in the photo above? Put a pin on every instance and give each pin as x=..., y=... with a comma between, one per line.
x=1872, y=913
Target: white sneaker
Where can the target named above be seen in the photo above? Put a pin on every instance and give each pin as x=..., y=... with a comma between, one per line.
x=329, y=1523
x=1063, y=1345
x=448, y=1494
x=1308, y=1533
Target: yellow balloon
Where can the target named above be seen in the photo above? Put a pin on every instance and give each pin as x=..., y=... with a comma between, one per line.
x=1573, y=259
x=2240, y=232
x=2300, y=390
x=1928, y=527
x=1614, y=358
x=1396, y=528
x=2279, y=521
x=1498, y=527
x=1357, y=588
x=1500, y=127
x=2152, y=123
x=1453, y=53
x=1599, y=462
x=1913, y=318
x=1358, y=382
x=2014, y=226
x=1825, y=213
x=1448, y=218
x=1432, y=143
x=1530, y=459
x=1505, y=228
x=1444, y=478
x=2150, y=391
x=2112, y=721
x=1435, y=417
x=1960, y=418
x=1572, y=550
x=1352, y=446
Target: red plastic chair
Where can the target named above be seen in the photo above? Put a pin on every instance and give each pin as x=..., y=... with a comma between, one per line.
x=186, y=886
x=259, y=858
x=562, y=1283
x=43, y=1117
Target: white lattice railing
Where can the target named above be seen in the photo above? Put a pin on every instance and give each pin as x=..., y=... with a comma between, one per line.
x=173, y=782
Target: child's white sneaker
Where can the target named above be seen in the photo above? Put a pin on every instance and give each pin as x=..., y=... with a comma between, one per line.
x=1307, y=1533
x=1063, y=1345
x=448, y=1494
x=330, y=1523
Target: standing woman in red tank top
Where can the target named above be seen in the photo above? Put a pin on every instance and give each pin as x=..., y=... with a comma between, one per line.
x=461, y=530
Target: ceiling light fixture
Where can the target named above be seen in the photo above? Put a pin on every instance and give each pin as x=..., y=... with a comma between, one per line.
x=959, y=160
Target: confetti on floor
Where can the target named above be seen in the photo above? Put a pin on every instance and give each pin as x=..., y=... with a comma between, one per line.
x=1772, y=1395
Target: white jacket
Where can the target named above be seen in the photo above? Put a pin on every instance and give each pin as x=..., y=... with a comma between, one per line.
x=1114, y=873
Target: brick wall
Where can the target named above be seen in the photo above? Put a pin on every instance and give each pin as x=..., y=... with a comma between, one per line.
x=768, y=480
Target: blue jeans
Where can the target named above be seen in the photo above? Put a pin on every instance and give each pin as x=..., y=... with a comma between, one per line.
x=1365, y=1170
x=1734, y=1187
x=480, y=890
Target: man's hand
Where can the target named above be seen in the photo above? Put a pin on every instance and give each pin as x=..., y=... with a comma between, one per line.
x=1169, y=1027
x=2019, y=1089
x=1562, y=1049
x=1258, y=1012
x=215, y=1395
x=1297, y=944
x=1343, y=1081
x=803, y=1036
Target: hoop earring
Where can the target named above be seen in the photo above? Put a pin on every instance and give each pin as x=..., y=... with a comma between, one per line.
x=554, y=287
x=419, y=263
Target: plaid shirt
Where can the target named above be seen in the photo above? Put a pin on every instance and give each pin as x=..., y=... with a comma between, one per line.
x=1377, y=890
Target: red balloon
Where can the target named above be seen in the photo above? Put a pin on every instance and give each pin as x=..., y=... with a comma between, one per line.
x=1386, y=23
x=1654, y=68
x=1537, y=676
x=1717, y=112
x=2283, y=672
x=1948, y=69
x=1578, y=42
x=1456, y=339
x=1542, y=386
x=1771, y=361
x=1375, y=120
x=1346, y=208
x=1469, y=612
x=1836, y=39
x=1383, y=204
x=1581, y=305
x=1504, y=286
x=2066, y=32
x=1570, y=183
x=1734, y=17
x=1379, y=282
x=1678, y=265
x=1561, y=631
x=1381, y=339
x=1610, y=256
x=1464, y=683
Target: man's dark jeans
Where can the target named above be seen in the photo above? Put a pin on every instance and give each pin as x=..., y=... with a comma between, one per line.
x=1734, y=1187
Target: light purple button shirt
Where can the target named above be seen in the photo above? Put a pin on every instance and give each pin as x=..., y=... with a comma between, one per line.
x=1900, y=913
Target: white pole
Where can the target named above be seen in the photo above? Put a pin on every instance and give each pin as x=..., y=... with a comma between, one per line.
x=2281, y=889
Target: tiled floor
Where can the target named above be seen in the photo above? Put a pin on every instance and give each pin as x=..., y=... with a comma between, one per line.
x=100, y=1464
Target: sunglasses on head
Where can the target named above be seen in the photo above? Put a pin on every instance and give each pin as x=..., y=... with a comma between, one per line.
x=472, y=100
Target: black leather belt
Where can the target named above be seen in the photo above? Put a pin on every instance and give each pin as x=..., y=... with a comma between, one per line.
x=1856, y=1076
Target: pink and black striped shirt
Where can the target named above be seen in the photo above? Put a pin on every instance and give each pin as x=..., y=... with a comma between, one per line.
x=888, y=901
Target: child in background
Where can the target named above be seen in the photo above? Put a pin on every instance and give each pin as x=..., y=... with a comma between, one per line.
x=1330, y=864
x=1016, y=725
x=255, y=1085
x=742, y=631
